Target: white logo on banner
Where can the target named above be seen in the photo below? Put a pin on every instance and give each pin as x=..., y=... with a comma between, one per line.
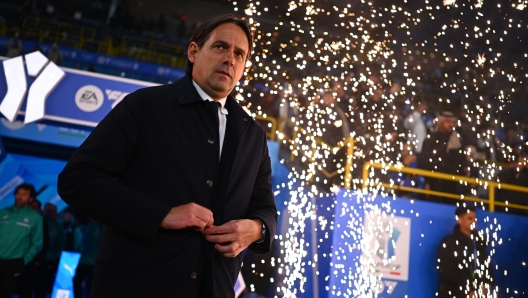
x=115, y=95
x=89, y=98
x=69, y=269
x=48, y=74
x=387, y=244
x=379, y=286
x=61, y=293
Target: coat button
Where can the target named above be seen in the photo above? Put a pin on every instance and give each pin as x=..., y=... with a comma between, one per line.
x=194, y=275
x=210, y=141
x=209, y=183
x=245, y=119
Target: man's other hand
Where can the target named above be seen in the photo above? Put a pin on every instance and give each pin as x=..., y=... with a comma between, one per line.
x=188, y=216
x=233, y=237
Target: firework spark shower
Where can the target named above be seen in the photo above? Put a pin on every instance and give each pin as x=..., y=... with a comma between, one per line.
x=373, y=60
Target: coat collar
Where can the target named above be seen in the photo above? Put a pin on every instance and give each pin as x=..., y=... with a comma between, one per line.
x=185, y=91
x=187, y=94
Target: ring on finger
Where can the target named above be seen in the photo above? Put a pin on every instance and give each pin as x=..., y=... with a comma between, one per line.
x=237, y=246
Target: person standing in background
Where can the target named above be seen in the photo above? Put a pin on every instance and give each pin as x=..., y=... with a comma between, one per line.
x=21, y=237
x=415, y=124
x=55, y=54
x=48, y=269
x=29, y=279
x=14, y=47
x=463, y=262
x=91, y=236
x=69, y=225
x=443, y=152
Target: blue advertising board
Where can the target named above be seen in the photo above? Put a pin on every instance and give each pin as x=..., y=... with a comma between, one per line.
x=81, y=99
x=331, y=265
x=3, y=153
x=63, y=286
x=44, y=133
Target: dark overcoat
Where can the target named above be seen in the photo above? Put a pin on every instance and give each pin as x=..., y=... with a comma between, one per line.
x=157, y=149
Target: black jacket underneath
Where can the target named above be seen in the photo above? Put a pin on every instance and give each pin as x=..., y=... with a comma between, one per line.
x=459, y=271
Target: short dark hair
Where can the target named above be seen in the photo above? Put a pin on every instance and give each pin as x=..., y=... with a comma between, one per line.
x=202, y=33
x=39, y=203
x=27, y=186
x=461, y=210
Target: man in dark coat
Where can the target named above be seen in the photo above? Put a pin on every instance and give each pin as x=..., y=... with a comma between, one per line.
x=180, y=203
x=463, y=262
x=443, y=152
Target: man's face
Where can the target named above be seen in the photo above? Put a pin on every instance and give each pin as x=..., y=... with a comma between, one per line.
x=219, y=64
x=35, y=205
x=50, y=211
x=422, y=107
x=447, y=124
x=467, y=221
x=22, y=198
x=328, y=99
x=67, y=216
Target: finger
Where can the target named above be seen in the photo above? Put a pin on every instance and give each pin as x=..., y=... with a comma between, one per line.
x=226, y=238
x=231, y=248
x=198, y=225
x=227, y=228
x=215, y=230
x=211, y=221
x=230, y=255
x=200, y=213
x=203, y=214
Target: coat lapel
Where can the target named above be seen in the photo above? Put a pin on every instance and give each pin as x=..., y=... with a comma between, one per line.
x=240, y=119
x=185, y=91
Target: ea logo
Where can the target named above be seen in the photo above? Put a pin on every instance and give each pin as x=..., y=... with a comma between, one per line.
x=89, y=98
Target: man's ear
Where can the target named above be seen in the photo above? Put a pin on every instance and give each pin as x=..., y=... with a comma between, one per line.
x=192, y=51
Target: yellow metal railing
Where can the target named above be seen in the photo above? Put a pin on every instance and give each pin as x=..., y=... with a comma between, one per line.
x=55, y=29
x=44, y=37
x=319, y=144
x=490, y=185
x=84, y=37
x=148, y=50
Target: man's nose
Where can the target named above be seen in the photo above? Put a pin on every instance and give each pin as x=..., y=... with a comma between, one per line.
x=229, y=58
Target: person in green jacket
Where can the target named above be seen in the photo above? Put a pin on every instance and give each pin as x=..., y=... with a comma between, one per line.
x=21, y=237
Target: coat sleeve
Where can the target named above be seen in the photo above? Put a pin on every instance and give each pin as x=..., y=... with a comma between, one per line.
x=90, y=181
x=37, y=240
x=262, y=204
